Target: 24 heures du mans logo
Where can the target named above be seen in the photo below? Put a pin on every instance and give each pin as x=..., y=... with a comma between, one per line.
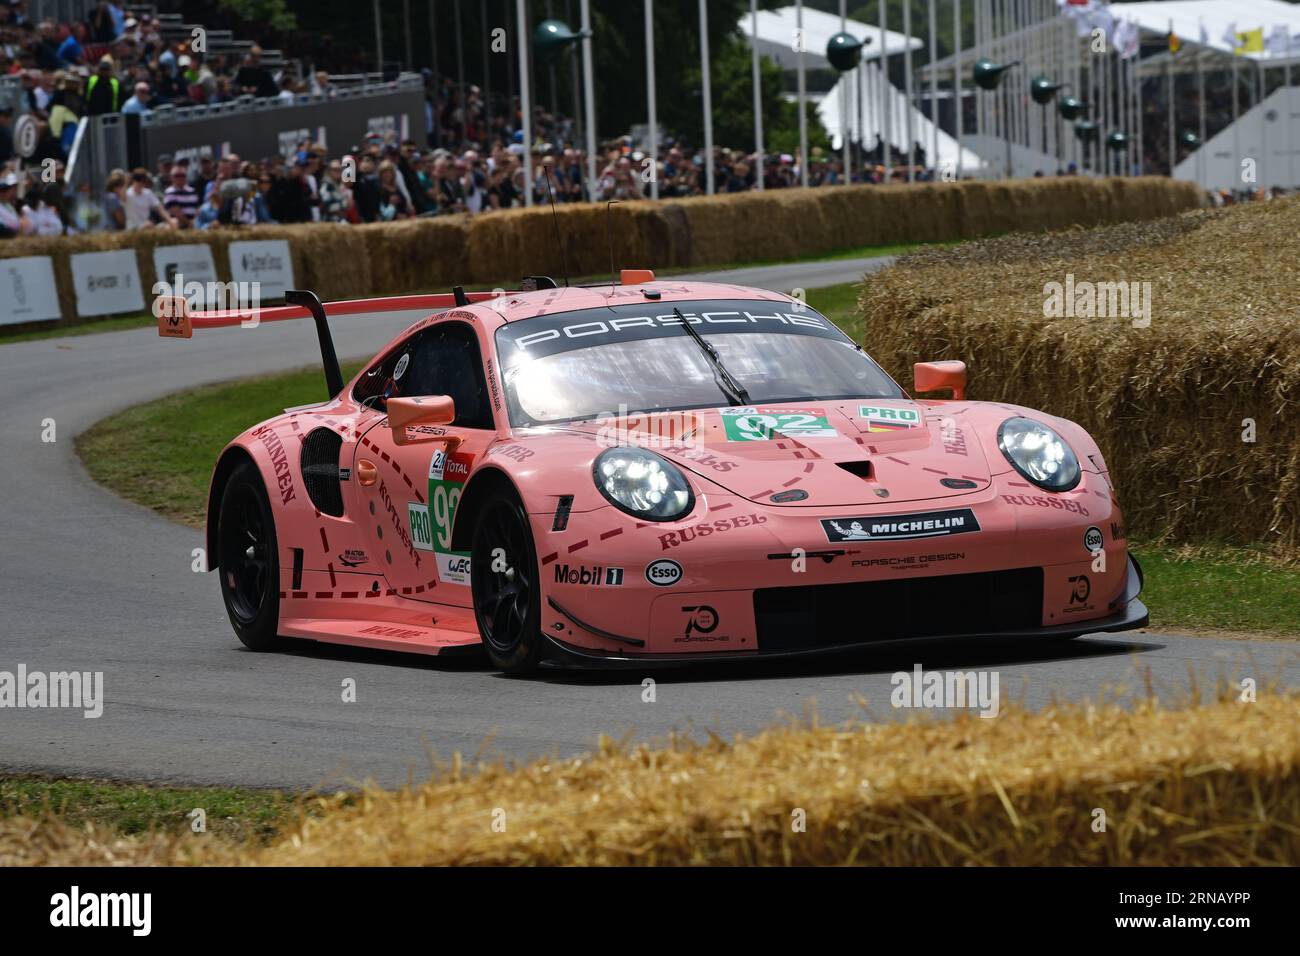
x=926, y=524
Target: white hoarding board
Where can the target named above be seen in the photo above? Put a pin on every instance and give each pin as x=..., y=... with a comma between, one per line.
x=27, y=290
x=190, y=265
x=107, y=283
x=265, y=261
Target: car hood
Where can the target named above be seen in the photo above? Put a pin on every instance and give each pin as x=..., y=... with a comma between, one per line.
x=817, y=454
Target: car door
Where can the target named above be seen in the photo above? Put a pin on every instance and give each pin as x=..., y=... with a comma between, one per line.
x=408, y=494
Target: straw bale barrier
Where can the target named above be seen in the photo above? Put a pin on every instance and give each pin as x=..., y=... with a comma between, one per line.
x=341, y=261
x=1170, y=404
x=1216, y=784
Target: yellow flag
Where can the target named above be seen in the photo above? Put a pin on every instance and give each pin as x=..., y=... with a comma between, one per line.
x=1250, y=41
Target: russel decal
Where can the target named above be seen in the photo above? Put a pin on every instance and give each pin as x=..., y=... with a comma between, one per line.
x=447, y=475
x=883, y=418
x=765, y=424
x=928, y=524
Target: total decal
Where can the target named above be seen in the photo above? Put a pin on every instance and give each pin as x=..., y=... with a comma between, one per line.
x=431, y=523
x=765, y=424
x=887, y=418
x=927, y=524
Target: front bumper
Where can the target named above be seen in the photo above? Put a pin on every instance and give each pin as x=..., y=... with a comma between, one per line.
x=1131, y=615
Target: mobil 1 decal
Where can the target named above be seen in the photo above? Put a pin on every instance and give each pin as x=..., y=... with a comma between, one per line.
x=926, y=524
x=888, y=418
x=431, y=524
x=764, y=424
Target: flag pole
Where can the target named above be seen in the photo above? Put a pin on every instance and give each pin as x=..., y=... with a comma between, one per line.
x=956, y=83
x=650, y=96
x=934, y=93
x=708, y=98
x=907, y=90
x=886, y=134
x=844, y=101
x=589, y=92
x=758, y=95
x=525, y=100
x=803, y=97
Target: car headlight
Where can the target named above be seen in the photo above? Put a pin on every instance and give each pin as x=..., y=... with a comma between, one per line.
x=643, y=484
x=1039, y=454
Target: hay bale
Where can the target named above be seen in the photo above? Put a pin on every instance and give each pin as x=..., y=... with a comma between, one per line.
x=1168, y=404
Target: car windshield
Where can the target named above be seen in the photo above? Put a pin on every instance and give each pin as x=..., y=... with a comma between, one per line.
x=583, y=365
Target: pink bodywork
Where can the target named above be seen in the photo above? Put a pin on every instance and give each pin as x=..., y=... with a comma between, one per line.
x=362, y=581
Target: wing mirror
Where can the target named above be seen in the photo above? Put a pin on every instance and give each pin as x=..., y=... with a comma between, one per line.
x=940, y=376
x=414, y=420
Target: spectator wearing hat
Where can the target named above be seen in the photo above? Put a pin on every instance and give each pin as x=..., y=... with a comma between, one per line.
x=103, y=90
x=140, y=100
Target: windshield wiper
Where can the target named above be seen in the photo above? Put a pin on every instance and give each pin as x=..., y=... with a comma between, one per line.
x=734, y=391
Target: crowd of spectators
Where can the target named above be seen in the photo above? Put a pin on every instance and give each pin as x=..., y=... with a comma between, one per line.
x=472, y=159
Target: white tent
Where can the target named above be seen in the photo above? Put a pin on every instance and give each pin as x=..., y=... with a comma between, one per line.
x=777, y=30
x=863, y=94
x=1262, y=137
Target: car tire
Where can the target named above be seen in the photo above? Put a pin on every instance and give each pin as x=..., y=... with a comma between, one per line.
x=507, y=603
x=248, y=559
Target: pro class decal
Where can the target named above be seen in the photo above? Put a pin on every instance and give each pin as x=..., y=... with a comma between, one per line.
x=885, y=418
x=926, y=524
x=764, y=424
x=447, y=475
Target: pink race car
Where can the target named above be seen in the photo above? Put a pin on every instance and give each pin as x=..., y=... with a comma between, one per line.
x=652, y=471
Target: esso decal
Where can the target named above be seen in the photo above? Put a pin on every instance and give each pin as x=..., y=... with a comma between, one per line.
x=402, y=362
x=663, y=573
x=1092, y=540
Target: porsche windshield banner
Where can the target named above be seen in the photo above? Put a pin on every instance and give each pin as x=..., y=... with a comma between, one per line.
x=546, y=335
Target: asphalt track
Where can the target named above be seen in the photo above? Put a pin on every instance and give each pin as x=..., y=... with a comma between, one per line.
x=94, y=583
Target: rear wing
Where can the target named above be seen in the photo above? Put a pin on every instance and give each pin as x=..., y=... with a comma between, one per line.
x=177, y=321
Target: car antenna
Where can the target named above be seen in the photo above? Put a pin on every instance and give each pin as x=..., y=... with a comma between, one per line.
x=609, y=236
x=555, y=218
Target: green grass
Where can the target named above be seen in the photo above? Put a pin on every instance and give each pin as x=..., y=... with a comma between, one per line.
x=839, y=303
x=1220, y=588
x=136, y=453
x=237, y=814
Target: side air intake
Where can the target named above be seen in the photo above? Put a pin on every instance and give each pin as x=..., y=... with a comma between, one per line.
x=320, y=470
